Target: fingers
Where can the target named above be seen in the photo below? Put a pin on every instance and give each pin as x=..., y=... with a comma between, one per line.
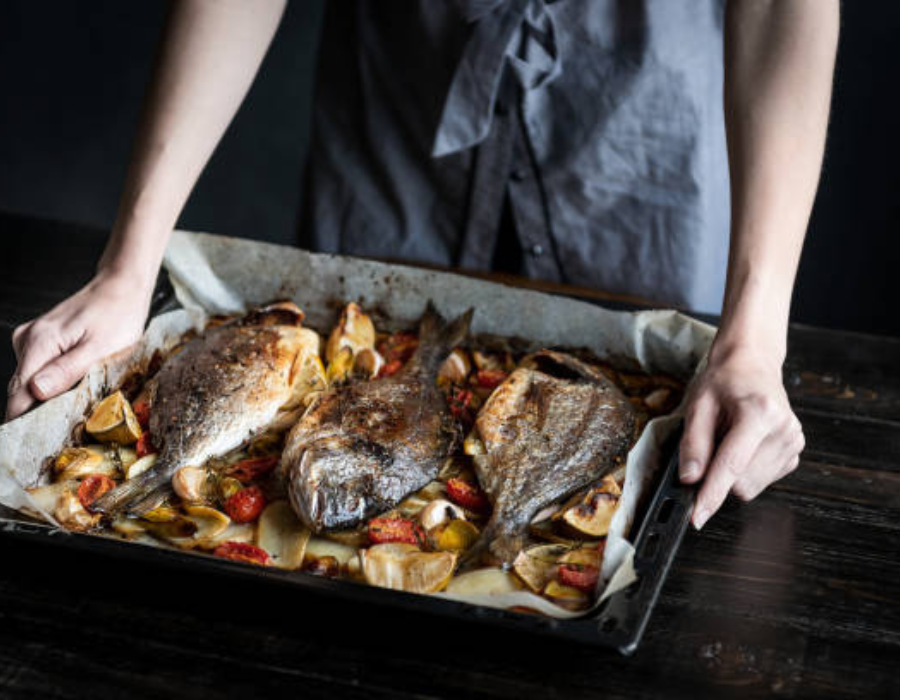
x=698, y=441
x=62, y=373
x=776, y=457
x=35, y=345
x=731, y=460
x=17, y=338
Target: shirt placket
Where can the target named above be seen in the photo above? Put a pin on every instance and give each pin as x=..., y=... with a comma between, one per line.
x=492, y=163
x=529, y=208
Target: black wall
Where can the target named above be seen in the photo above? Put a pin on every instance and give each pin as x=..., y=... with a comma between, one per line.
x=72, y=76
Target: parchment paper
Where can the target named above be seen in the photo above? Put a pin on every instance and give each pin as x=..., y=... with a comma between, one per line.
x=215, y=274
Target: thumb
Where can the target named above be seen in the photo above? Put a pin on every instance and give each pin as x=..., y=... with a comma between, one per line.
x=63, y=372
x=698, y=442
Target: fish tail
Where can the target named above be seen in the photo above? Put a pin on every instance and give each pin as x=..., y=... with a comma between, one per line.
x=494, y=547
x=140, y=494
x=437, y=337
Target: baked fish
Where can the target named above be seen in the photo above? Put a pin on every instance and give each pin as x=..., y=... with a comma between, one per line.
x=225, y=386
x=554, y=426
x=362, y=447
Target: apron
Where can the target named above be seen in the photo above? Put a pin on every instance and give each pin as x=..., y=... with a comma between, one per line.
x=594, y=127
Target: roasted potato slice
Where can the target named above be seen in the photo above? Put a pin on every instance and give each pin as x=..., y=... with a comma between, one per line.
x=77, y=462
x=112, y=420
x=583, y=556
x=208, y=523
x=493, y=581
x=355, y=537
x=566, y=596
x=318, y=547
x=72, y=515
x=47, y=497
x=536, y=566
x=404, y=567
x=311, y=378
x=130, y=528
x=140, y=466
x=590, y=513
x=282, y=535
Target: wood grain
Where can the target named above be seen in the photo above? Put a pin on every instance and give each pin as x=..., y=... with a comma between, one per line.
x=794, y=595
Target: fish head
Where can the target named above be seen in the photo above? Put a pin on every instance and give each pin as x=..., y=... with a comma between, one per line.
x=330, y=485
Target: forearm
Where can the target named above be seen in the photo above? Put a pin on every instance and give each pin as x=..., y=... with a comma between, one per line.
x=209, y=56
x=779, y=61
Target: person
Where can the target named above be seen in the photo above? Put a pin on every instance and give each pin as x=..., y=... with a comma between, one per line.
x=614, y=144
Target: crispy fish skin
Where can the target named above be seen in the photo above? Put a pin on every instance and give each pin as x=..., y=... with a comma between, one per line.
x=361, y=448
x=554, y=426
x=222, y=388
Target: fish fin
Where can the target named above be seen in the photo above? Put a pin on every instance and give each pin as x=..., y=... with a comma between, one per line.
x=154, y=499
x=437, y=337
x=278, y=313
x=562, y=365
x=134, y=491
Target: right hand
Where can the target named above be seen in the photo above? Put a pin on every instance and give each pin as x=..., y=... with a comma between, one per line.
x=54, y=351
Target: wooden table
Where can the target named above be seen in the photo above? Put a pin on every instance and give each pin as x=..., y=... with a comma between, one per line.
x=794, y=595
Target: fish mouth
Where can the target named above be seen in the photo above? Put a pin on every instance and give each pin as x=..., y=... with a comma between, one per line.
x=321, y=497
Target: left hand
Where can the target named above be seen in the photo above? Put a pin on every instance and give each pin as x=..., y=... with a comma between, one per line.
x=740, y=403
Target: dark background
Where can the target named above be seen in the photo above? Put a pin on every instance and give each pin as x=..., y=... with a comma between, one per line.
x=72, y=77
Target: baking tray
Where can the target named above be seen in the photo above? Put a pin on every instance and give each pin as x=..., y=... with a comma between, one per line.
x=618, y=623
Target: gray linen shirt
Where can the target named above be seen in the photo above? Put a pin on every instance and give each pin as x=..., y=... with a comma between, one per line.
x=599, y=122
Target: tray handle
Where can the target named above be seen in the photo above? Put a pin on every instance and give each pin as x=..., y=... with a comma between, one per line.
x=627, y=613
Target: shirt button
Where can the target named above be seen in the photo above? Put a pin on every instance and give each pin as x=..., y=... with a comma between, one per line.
x=537, y=250
x=519, y=174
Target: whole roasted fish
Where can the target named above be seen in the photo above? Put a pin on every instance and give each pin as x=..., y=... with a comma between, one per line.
x=360, y=448
x=225, y=386
x=554, y=426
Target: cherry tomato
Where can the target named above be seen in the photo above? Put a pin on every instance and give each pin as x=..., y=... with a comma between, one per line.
x=92, y=487
x=141, y=409
x=253, y=468
x=581, y=576
x=382, y=530
x=391, y=368
x=245, y=505
x=241, y=551
x=399, y=346
x=144, y=445
x=460, y=404
x=490, y=378
x=467, y=495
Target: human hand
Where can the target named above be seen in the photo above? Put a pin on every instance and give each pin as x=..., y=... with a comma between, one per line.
x=739, y=401
x=55, y=350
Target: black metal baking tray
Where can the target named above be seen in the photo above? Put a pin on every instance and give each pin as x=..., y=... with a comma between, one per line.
x=618, y=623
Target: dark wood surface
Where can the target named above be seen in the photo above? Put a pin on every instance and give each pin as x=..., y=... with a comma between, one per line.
x=794, y=595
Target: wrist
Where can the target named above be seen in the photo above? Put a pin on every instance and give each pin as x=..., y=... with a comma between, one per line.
x=124, y=281
x=754, y=319
x=133, y=255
